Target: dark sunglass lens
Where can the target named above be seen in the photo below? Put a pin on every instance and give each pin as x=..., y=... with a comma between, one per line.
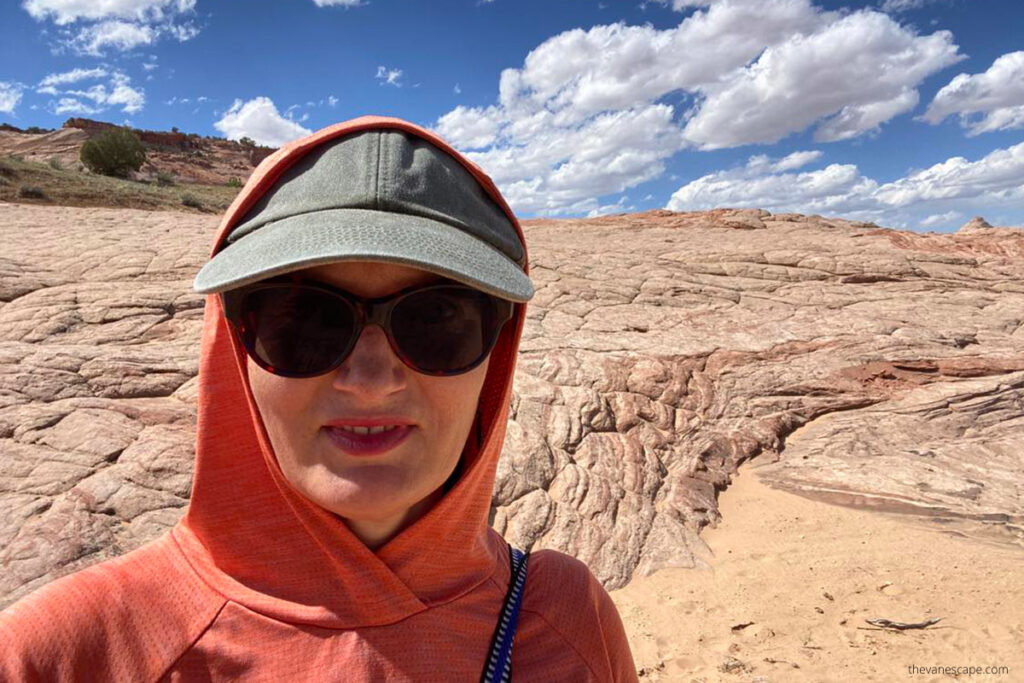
x=445, y=329
x=297, y=331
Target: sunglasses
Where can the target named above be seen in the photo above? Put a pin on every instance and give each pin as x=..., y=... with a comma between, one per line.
x=302, y=328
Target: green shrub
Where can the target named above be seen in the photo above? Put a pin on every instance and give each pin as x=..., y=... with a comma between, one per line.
x=234, y=182
x=114, y=152
x=6, y=170
x=189, y=199
x=247, y=142
x=55, y=163
x=31, y=192
x=164, y=178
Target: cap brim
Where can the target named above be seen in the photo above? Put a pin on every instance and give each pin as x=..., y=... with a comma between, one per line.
x=334, y=235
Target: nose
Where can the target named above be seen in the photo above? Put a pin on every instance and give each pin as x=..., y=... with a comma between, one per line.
x=372, y=370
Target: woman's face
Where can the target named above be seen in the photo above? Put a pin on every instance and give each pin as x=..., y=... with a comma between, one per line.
x=377, y=495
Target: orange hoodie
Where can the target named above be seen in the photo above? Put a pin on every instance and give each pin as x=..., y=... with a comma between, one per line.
x=256, y=582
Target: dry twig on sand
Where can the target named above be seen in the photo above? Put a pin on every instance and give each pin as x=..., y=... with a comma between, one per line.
x=902, y=626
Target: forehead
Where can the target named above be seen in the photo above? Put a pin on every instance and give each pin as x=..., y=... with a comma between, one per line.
x=370, y=278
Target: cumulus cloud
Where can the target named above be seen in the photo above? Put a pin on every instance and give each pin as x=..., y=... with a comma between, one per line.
x=259, y=119
x=116, y=92
x=952, y=186
x=837, y=188
x=852, y=74
x=733, y=72
x=92, y=28
x=985, y=102
x=338, y=3
x=999, y=176
x=10, y=96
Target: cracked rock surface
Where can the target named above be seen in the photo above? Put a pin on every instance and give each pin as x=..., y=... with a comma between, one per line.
x=865, y=366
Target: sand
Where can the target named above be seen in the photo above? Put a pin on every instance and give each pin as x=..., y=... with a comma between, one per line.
x=792, y=581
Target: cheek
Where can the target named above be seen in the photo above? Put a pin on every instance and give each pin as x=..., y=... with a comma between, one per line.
x=455, y=399
x=282, y=404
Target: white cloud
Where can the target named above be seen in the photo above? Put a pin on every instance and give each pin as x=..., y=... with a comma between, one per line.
x=926, y=197
x=70, y=105
x=467, y=128
x=761, y=183
x=790, y=162
x=10, y=96
x=91, y=28
x=683, y=5
x=389, y=76
x=120, y=35
x=117, y=92
x=895, y=6
x=853, y=74
x=341, y=3
x=941, y=219
x=259, y=119
x=125, y=96
x=183, y=32
x=332, y=100
x=733, y=72
x=998, y=176
x=563, y=171
x=457, y=89
x=607, y=209
x=69, y=11
x=985, y=102
x=72, y=76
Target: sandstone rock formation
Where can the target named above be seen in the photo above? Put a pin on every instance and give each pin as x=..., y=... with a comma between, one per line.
x=662, y=350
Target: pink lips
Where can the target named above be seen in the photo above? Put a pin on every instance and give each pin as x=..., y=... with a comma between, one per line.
x=367, y=444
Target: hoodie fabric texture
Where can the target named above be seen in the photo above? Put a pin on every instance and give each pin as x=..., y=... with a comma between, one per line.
x=256, y=582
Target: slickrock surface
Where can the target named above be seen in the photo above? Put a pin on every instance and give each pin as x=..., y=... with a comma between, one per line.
x=662, y=350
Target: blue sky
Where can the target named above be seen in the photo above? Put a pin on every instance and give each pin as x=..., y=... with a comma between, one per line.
x=908, y=113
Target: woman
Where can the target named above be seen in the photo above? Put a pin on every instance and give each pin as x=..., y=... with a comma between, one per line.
x=365, y=303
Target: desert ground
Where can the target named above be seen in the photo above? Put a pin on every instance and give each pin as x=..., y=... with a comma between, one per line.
x=791, y=583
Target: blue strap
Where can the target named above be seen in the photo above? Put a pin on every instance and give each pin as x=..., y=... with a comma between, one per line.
x=499, y=662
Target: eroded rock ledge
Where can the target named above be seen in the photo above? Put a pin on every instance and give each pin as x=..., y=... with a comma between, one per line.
x=870, y=366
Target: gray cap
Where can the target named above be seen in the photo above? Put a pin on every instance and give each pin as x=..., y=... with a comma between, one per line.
x=376, y=195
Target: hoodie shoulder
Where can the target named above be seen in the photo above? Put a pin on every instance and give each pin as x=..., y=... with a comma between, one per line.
x=563, y=594
x=127, y=618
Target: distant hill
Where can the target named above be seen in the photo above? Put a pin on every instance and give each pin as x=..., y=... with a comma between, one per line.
x=189, y=157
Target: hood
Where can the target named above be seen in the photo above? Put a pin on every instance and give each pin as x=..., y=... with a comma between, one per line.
x=260, y=543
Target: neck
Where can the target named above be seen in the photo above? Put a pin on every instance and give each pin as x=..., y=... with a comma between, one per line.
x=374, y=533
